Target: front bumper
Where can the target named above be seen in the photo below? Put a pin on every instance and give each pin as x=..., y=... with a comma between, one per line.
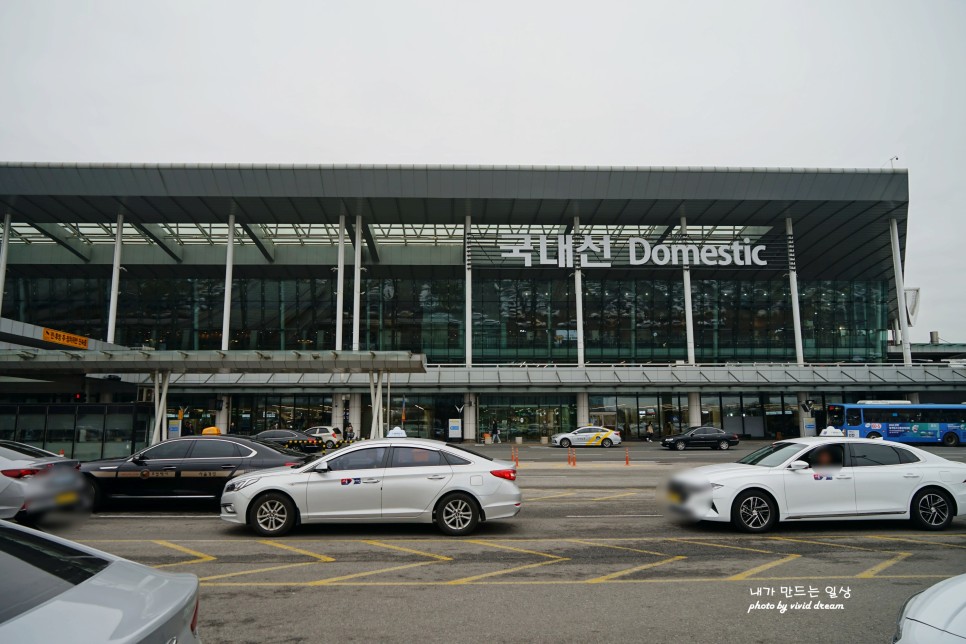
x=234, y=507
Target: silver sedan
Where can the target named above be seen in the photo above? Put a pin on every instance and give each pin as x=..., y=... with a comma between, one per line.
x=34, y=481
x=56, y=590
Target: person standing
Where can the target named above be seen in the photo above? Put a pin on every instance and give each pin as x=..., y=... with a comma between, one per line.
x=649, y=432
x=496, y=436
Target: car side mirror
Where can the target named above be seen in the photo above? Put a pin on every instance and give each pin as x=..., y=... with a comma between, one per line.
x=798, y=465
x=322, y=467
x=137, y=460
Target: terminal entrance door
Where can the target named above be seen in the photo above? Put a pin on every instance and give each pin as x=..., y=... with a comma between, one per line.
x=528, y=417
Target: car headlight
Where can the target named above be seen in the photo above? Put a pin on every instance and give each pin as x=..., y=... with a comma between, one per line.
x=234, y=486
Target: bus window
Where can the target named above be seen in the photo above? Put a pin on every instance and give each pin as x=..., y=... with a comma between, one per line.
x=836, y=415
x=853, y=417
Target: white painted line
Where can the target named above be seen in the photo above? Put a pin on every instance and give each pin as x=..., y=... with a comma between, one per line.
x=612, y=516
x=153, y=516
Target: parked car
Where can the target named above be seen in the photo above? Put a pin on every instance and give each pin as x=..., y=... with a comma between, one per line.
x=934, y=615
x=55, y=590
x=710, y=437
x=35, y=482
x=291, y=439
x=328, y=436
x=809, y=479
x=391, y=480
x=190, y=467
x=587, y=437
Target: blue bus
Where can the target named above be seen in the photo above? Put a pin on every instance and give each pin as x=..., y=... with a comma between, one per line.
x=901, y=421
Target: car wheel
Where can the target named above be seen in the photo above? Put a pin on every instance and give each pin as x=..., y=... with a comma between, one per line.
x=680, y=445
x=950, y=439
x=93, y=497
x=457, y=515
x=329, y=445
x=272, y=515
x=565, y=442
x=754, y=511
x=606, y=443
x=723, y=445
x=932, y=509
x=873, y=435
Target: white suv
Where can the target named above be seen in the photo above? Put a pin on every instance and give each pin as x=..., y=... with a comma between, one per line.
x=328, y=436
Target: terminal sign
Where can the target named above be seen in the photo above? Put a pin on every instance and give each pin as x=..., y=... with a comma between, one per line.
x=598, y=251
x=62, y=337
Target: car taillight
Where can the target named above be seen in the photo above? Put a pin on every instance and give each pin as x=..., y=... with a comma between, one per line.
x=293, y=464
x=194, y=618
x=510, y=475
x=21, y=473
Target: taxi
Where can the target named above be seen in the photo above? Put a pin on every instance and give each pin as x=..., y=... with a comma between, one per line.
x=589, y=436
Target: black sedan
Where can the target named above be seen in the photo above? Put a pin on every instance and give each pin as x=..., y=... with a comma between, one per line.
x=291, y=439
x=195, y=467
x=701, y=437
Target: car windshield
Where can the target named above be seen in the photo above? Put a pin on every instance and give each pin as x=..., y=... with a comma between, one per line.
x=275, y=447
x=771, y=455
x=16, y=451
x=36, y=569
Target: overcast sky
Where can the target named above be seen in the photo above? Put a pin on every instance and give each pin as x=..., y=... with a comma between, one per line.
x=827, y=84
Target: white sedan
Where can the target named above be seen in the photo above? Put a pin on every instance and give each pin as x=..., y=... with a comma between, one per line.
x=399, y=480
x=807, y=479
x=587, y=437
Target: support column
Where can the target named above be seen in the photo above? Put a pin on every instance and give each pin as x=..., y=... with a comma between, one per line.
x=579, y=300
x=900, y=293
x=468, y=288
x=115, y=279
x=793, y=288
x=337, y=411
x=469, y=417
x=583, y=409
x=340, y=298
x=357, y=287
x=688, y=312
x=161, y=380
x=355, y=412
x=229, y=265
x=694, y=409
x=375, y=395
x=4, y=251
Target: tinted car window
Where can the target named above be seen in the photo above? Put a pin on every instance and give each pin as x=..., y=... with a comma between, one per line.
x=414, y=457
x=172, y=449
x=453, y=459
x=360, y=459
x=771, y=455
x=825, y=456
x=869, y=455
x=905, y=456
x=214, y=449
x=267, y=435
x=16, y=451
x=468, y=451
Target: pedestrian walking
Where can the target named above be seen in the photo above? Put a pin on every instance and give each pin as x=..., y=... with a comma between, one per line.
x=649, y=432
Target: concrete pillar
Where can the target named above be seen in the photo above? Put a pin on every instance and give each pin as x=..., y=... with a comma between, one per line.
x=115, y=279
x=579, y=299
x=688, y=308
x=355, y=412
x=340, y=295
x=229, y=265
x=583, y=409
x=223, y=417
x=694, y=408
x=357, y=290
x=469, y=417
x=793, y=289
x=914, y=398
x=468, y=288
x=337, y=410
x=4, y=252
x=900, y=293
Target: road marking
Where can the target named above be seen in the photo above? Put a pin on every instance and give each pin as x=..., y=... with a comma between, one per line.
x=307, y=553
x=552, y=496
x=199, y=557
x=931, y=543
x=607, y=545
x=257, y=570
x=330, y=580
x=762, y=568
x=612, y=516
x=876, y=569
x=824, y=543
x=721, y=545
x=491, y=544
x=621, y=573
x=614, y=496
x=409, y=550
x=486, y=575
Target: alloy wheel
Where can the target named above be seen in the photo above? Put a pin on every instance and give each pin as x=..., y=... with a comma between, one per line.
x=754, y=512
x=933, y=509
x=457, y=514
x=271, y=515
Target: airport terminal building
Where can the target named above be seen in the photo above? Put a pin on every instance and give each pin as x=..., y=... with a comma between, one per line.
x=540, y=298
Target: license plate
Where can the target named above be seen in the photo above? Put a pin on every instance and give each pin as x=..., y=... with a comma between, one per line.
x=65, y=497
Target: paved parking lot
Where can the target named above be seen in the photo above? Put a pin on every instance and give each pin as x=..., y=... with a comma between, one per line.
x=591, y=558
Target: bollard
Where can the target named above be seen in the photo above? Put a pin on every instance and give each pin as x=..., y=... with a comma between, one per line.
x=573, y=457
x=627, y=455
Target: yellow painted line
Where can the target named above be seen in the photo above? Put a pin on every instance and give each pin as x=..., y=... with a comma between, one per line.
x=431, y=555
x=330, y=580
x=258, y=570
x=614, y=496
x=824, y=543
x=721, y=545
x=762, y=568
x=923, y=541
x=552, y=496
x=199, y=557
x=285, y=546
x=491, y=544
x=621, y=573
x=487, y=575
x=874, y=570
x=607, y=545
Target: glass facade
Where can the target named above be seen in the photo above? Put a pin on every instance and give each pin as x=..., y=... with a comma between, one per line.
x=514, y=319
x=527, y=417
x=83, y=431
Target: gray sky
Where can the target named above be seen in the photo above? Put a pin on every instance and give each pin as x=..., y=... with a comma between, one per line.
x=818, y=83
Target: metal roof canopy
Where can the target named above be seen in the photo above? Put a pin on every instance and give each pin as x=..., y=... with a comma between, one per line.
x=39, y=362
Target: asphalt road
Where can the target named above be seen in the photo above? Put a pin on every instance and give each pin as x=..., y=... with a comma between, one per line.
x=592, y=558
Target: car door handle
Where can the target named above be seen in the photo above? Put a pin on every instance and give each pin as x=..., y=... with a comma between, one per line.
x=169, y=468
x=910, y=475
x=436, y=477
x=227, y=467
x=370, y=480
x=843, y=476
